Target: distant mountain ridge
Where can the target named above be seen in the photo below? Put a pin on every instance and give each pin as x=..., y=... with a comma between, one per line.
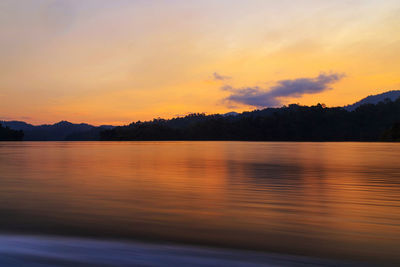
x=375, y=99
x=172, y=129
x=59, y=131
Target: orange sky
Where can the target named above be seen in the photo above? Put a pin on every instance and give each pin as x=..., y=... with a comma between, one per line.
x=114, y=62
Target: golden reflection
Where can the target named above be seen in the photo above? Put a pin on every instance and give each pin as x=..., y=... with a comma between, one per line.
x=323, y=198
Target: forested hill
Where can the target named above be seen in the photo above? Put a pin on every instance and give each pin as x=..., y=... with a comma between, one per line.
x=60, y=131
x=375, y=99
x=368, y=122
x=7, y=134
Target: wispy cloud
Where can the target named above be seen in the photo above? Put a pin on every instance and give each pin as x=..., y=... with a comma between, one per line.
x=273, y=96
x=219, y=77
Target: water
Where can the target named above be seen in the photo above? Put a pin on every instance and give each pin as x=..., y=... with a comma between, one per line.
x=328, y=200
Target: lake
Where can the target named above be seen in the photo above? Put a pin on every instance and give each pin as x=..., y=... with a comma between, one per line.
x=328, y=200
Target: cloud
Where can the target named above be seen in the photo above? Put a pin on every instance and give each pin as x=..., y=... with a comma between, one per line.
x=219, y=77
x=272, y=97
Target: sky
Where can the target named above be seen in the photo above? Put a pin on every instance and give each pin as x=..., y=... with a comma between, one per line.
x=114, y=62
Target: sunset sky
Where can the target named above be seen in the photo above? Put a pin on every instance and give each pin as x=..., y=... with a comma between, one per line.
x=114, y=62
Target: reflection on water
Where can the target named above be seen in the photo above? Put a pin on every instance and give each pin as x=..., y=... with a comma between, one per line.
x=337, y=200
x=55, y=251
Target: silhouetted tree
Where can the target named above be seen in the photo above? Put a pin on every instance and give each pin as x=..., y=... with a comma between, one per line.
x=6, y=134
x=393, y=134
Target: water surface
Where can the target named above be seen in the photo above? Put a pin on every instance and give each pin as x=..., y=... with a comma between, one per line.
x=329, y=200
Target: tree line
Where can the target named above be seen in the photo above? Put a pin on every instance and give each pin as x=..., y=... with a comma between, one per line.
x=368, y=122
x=7, y=134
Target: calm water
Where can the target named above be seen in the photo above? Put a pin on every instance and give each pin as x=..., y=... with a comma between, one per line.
x=333, y=200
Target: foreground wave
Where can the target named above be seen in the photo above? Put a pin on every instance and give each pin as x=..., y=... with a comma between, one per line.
x=18, y=250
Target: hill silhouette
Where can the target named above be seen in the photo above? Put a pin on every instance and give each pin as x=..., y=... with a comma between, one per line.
x=375, y=99
x=367, y=122
x=374, y=118
x=60, y=131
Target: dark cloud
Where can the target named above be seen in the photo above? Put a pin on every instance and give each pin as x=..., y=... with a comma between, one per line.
x=219, y=77
x=272, y=97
